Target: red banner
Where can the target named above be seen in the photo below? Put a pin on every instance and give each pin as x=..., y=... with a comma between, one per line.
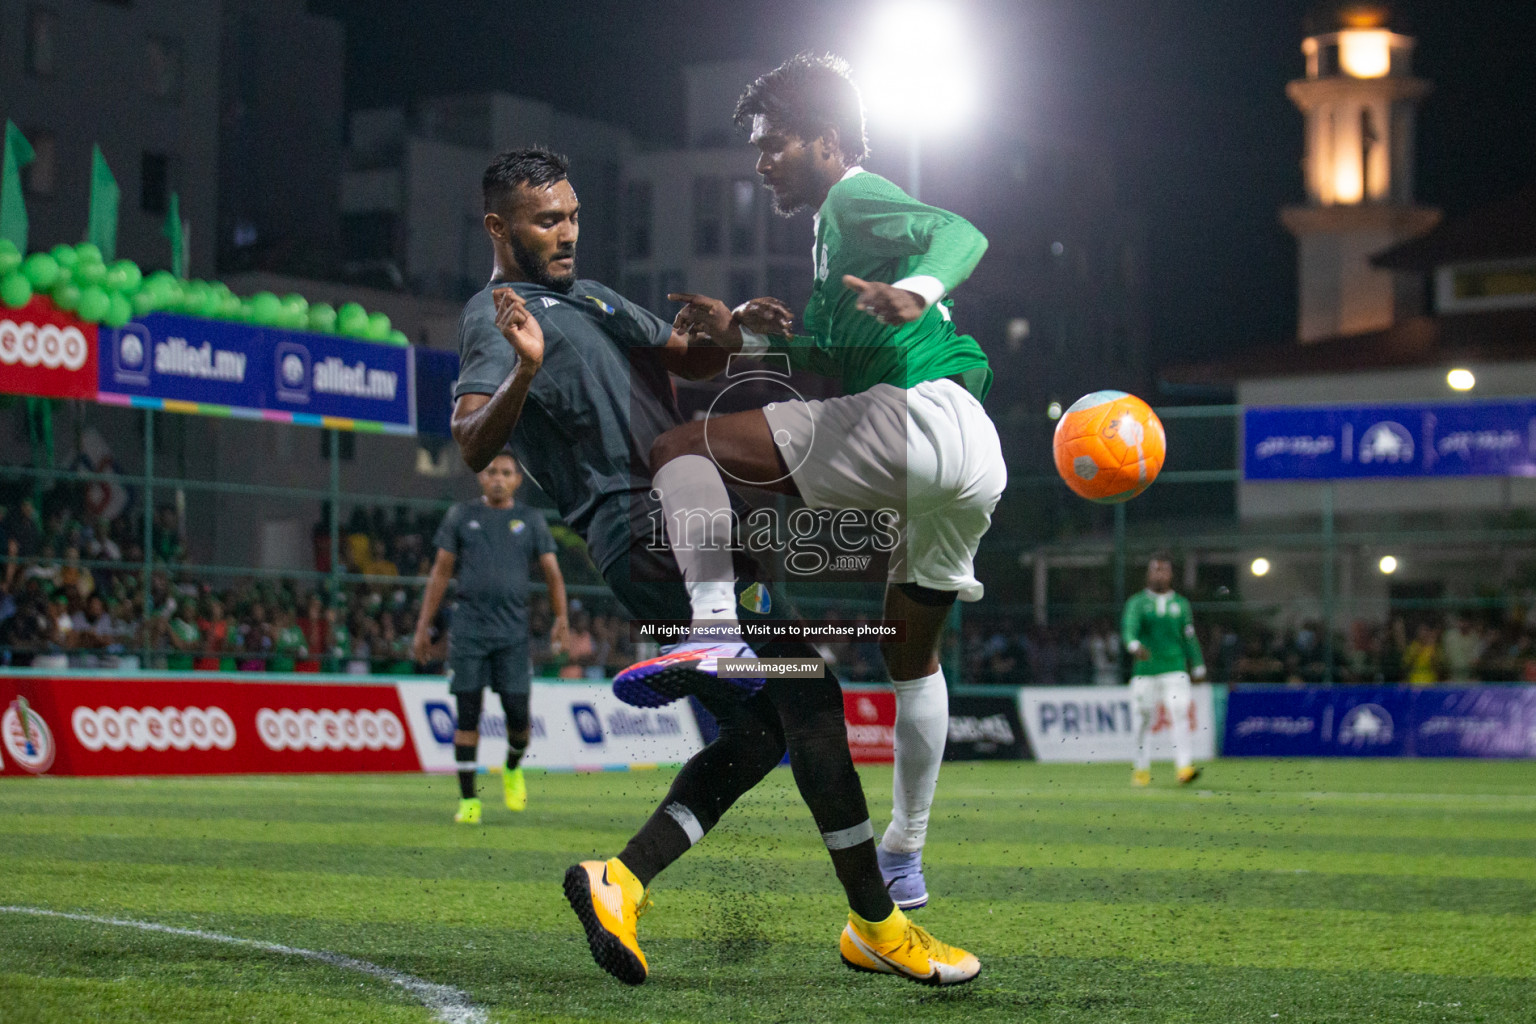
x=870, y=715
x=47, y=352
x=149, y=726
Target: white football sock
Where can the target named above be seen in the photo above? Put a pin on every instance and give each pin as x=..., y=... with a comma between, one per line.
x=697, y=511
x=1146, y=713
x=922, y=726
x=1179, y=699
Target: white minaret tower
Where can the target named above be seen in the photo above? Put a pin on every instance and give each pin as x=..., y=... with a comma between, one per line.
x=1359, y=99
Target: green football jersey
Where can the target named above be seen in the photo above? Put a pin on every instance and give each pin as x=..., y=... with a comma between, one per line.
x=873, y=230
x=1165, y=626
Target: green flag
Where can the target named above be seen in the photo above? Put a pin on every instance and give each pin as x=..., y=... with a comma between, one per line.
x=172, y=231
x=102, y=229
x=13, y=207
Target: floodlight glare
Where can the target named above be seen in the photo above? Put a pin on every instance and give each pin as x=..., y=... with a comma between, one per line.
x=1388, y=564
x=1259, y=567
x=1461, y=380
x=917, y=71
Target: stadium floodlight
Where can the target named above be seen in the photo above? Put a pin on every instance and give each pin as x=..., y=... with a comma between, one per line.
x=1461, y=380
x=918, y=73
x=1387, y=565
x=1259, y=567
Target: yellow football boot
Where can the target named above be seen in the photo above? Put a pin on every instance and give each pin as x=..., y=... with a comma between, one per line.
x=1141, y=778
x=469, y=811
x=897, y=946
x=1188, y=775
x=514, y=790
x=608, y=900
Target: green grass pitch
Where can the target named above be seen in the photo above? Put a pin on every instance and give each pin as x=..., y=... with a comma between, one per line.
x=1276, y=891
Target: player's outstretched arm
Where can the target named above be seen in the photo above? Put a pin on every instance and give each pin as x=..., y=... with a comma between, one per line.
x=1192, y=652
x=431, y=601
x=560, y=631
x=1130, y=631
x=703, y=338
x=483, y=424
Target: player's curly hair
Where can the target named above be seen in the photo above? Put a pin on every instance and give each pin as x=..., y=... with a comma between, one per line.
x=535, y=167
x=808, y=94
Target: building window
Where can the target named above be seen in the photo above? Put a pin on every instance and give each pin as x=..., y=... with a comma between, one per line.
x=637, y=217
x=154, y=182
x=743, y=217
x=708, y=197
x=41, y=177
x=743, y=286
x=42, y=42
x=162, y=68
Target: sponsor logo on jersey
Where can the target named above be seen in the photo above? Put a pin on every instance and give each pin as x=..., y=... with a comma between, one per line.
x=304, y=729
x=517, y=526
x=601, y=304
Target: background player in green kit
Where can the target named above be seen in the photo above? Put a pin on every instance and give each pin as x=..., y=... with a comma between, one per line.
x=490, y=545
x=1158, y=629
x=908, y=439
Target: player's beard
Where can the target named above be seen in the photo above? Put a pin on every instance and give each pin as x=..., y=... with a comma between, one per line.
x=536, y=270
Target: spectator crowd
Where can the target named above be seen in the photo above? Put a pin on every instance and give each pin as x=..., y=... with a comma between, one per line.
x=72, y=595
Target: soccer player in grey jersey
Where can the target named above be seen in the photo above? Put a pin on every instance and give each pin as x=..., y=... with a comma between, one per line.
x=576, y=378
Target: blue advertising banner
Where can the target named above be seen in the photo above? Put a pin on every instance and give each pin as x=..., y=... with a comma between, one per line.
x=1396, y=721
x=1489, y=721
x=1340, y=442
x=1318, y=722
x=245, y=370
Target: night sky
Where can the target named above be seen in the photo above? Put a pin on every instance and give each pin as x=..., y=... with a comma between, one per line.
x=1188, y=94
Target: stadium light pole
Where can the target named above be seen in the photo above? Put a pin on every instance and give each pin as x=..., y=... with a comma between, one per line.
x=916, y=77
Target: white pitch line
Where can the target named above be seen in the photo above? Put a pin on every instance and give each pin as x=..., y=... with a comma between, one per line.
x=448, y=1004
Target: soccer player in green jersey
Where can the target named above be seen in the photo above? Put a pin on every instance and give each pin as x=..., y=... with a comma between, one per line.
x=908, y=439
x=1158, y=629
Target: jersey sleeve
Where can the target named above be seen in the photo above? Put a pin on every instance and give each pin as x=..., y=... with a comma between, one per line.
x=486, y=357
x=941, y=245
x=639, y=326
x=447, y=536
x=543, y=540
x=1191, y=639
x=1130, y=625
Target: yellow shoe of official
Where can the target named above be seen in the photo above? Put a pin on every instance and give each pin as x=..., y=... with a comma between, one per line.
x=608, y=900
x=1188, y=775
x=897, y=946
x=1141, y=778
x=469, y=811
x=514, y=790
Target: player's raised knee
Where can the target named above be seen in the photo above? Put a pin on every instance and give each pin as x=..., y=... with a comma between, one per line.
x=687, y=439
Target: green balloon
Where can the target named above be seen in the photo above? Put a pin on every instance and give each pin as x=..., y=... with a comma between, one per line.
x=266, y=308
x=8, y=248
x=322, y=318
x=230, y=306
x=89, y=273
x=124, y=276
x=119, y=310
x=67, y=296
x=10, y=259
x=15, y=290
x=397, y=337
x=66, y=255
x=351, y=319
x=94, y=304
x=378, y=327
x=42, y=271
x=88, y=251
x=145, y=301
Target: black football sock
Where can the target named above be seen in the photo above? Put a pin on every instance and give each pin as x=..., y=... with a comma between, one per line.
x=515, y=755
x=464, y=755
